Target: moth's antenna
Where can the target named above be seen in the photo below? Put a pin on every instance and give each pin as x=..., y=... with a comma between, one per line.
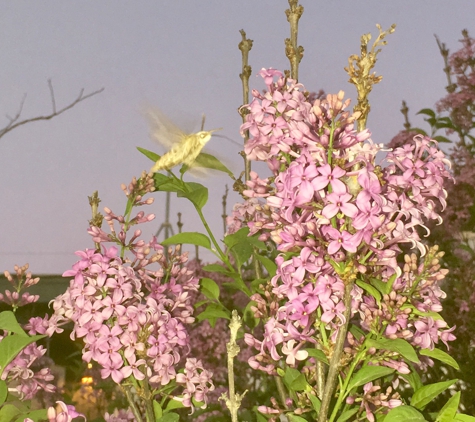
x=203, y=122
x=229, y=139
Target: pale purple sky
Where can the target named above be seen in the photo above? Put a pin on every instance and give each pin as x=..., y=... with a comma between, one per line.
x=181, y=56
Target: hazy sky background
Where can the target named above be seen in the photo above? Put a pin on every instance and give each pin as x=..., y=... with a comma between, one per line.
x=181, y=56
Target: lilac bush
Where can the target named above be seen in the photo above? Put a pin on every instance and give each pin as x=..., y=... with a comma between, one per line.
x=338, y=220
x=339, y=289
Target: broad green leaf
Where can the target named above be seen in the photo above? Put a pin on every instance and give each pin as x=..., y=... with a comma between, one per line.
x=347, y=415
x=418, y=130
x=316, y=403
x=211, y=162
x=295, y=418
x=397, y=345
x=447, y=413
x=259, y=417
x=242, y=235
x=157, y=409
x=11, y=345
x=149, y=154
x=268, y=264
x=434, y=315
x=34, y=415
x=317, y=354
x=8, y=412
x=441, y=356
x=464, y=418
x=188, y=238
x=209, y=288
x=368, y=374
x=215, y=268
x=3, y=391
x=370, y=289
x=9, y=323
x=174, y=404
x=295, y=380
x=404, y=414
x=429, y=392
x=427, y=111
x=380, y=285
x=413, y=379
x=443, y=139
x=213, y=310
x=169, y=417
x=196, y=193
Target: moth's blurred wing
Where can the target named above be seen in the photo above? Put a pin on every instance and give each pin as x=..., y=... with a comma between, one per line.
x=162, y=129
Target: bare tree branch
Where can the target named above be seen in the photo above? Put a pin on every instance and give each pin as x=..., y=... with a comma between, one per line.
x=15, y=122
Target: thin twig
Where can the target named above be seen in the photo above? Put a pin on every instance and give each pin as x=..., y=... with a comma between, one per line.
x=15, y=122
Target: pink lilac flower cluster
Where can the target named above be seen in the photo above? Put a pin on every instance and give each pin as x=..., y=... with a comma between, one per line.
x=25, y=373
x=119, y=415
x=63, y=413
x=333, y=213
x=460, y=100
x=132, y=312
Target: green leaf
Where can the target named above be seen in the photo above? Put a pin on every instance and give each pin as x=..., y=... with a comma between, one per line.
x=34, y=415
x=157, y=409
x=3, y=391
x=447, y=413
x=441, y=356
x=8, y=412
x=395, y=345
x=369, y=289
x=295, y=380
x=169, y=417
x=174, y=404
x=212, y=311
x=413, y=379
x=418, y=130
x=368, y=374
x=317, y=354
x=427, y=111
x=188, y=238
x=441, y=139
x=316, y=403
x=241, y=245
x=196, y=193
x=215, y=268
x=294, y=418
x=427, y=393
x=209, y=288
x=259, y=416
x=347, y=415
x=149, y=154
x=211, y=162
x=9, y=323
x=380, y=285
x=268, y=264
x=464, y=418
x=404, y=414
x=11, y=345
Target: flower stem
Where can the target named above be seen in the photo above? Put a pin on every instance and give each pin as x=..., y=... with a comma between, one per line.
x=335, y=359
x=133, y=406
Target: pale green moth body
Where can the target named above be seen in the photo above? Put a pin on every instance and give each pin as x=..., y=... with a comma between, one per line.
x=183, y=148
x=185, y=152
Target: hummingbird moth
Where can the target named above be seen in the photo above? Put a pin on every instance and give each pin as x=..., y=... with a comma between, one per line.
x=183, y=148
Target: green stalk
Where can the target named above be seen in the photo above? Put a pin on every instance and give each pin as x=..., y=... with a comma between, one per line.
x=335, y=359
x=133, y=406
x=343, y=392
